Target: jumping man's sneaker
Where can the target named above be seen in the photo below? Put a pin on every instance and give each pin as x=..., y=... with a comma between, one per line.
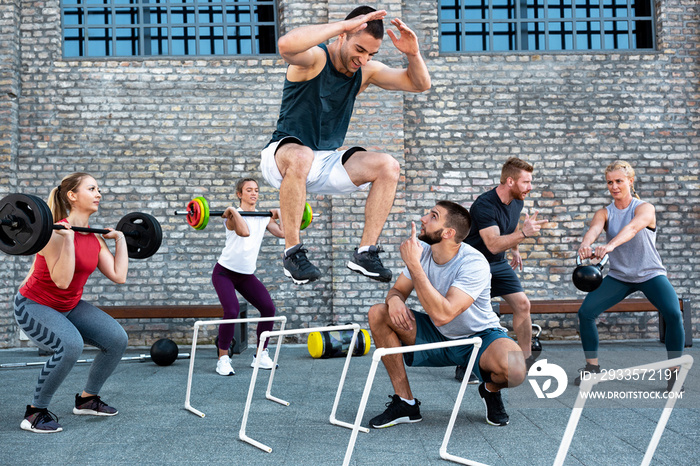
x=40, y=420
x=297, y=266
x=368, y=264
x=397, y=412
x=92, y=406
x=495, y=411
x=223, y=366
x=586, y=372
x=265, y=361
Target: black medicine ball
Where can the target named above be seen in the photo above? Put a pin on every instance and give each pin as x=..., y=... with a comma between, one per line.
x=164, y=352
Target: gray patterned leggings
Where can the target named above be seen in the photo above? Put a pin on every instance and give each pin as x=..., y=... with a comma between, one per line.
x=64, y=333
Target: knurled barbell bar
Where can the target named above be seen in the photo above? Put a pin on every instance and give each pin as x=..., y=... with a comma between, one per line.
x=198, y=214
x=26, y=224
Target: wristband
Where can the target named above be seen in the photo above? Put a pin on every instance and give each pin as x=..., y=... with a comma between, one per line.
x=524, y=235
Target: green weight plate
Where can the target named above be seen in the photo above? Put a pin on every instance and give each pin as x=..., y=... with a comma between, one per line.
x=205, y=214
x=306, y=217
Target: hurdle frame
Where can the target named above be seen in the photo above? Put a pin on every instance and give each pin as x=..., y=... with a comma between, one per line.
x=281, y=334
x=195, y=332
x=381, y=352
x=685, y=362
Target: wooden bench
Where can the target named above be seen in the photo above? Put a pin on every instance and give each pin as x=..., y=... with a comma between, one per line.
x=571, y=306
x=184, y=312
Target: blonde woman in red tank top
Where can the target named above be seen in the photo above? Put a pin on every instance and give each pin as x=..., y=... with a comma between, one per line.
x=50, y=311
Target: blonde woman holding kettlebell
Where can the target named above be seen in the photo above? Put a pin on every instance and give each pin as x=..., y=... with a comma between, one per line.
x=635, y=265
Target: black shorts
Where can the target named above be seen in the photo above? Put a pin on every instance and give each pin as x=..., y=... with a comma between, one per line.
x=504, y=280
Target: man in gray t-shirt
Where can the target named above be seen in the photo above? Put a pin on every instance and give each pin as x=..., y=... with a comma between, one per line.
x=452, y=282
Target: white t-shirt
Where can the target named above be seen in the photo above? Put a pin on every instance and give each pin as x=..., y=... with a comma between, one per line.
x=241, y=252
x=469, y=271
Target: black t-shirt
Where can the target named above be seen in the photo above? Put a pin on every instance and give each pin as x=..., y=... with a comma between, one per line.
x=487, y=211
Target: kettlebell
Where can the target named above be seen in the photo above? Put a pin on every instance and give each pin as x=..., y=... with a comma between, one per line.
x=588, y=277
x=536, y=345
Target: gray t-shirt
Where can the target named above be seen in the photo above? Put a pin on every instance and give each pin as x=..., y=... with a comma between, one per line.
x=637, y=260
x=468, y=271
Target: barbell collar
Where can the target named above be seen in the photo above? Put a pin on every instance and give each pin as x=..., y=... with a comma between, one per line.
x=11, y=222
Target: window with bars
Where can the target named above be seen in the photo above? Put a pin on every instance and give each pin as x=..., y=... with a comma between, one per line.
x=132, y=28
x=471, y=26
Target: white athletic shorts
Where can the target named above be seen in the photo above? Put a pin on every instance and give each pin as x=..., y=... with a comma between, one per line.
x=327, y=174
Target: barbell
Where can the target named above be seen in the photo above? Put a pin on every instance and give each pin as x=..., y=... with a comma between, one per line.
x=26, y=225
x=198, y=214
x=157, y=355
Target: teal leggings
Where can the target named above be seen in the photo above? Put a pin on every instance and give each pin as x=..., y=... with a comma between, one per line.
x=657, y=290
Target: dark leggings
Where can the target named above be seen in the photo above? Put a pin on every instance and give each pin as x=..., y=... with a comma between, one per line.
x=226, y=282
x=657, y=290
x=65, y=333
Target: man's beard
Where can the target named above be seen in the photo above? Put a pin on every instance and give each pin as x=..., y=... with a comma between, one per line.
x=517, y=194
x=433, y=238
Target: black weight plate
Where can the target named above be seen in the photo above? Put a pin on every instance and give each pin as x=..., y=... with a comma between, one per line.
x=40, y=235
x=230, y=348
x=29, y=236
x=48, y=222
x=148, y=235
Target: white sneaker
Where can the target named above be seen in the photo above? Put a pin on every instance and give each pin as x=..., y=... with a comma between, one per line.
x=223, y=366
x=265, y=361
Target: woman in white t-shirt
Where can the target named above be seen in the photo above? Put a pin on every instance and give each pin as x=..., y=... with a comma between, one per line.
x=235, y=270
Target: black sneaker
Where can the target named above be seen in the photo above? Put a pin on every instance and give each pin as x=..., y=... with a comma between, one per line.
x=397, y=412
x=672, y=380
x=585, y=372
x=368, y=264
x=459, y=375
x=92, y=406
x=40, y=420
x=297, y=266
x=495, y=411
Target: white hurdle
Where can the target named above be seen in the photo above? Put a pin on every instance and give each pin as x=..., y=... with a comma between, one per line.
x=686, y=362
x=281, y=333
x=202, y=323
x=377, y=356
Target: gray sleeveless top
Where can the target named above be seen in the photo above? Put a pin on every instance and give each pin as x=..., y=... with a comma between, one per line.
x=637, y=260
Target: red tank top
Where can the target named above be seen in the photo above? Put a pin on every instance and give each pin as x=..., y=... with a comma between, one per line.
x=43, y=290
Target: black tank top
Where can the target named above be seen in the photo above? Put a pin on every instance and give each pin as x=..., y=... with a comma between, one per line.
x=318, y=111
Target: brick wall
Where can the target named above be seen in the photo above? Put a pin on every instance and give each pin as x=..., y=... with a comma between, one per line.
x=9, y=136
x=156, y=133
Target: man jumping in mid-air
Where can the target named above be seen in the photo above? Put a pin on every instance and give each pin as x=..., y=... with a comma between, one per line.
x=321, y=85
